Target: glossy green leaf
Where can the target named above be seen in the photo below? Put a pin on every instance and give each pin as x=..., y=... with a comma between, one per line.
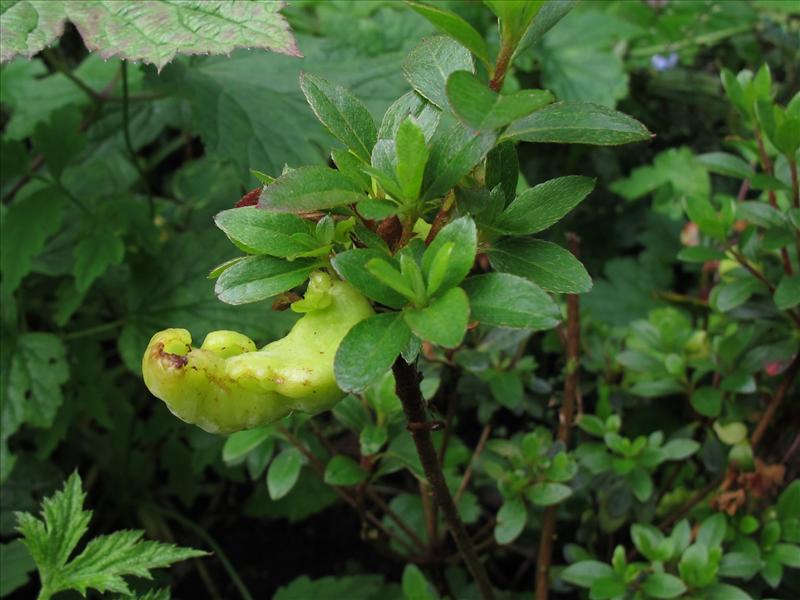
x=351, y=266
x=541, y=206
x=429, y=65
x=456, y=27
x=344, y=115
x=241, y=443
x=412, y=155
x=343, y=470
x=283, y=472
x=310, y=188
x=444, y=321
x=663, y=585
x=511, y=520
x=260, y=277
x=502, y=168
x=463, y=236
x=453, y=155
x=787, y=294
x=578, y=123
x=258, y=231
x=369, y=349
x=505, y=300
x=586, y=572
x=548, y=265
x=484, y=110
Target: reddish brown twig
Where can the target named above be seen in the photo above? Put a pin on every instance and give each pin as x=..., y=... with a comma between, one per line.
x=775, y=403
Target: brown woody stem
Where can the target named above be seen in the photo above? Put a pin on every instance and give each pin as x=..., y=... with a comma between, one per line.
x=544, y=556
x=775, y=403
x=407, y=381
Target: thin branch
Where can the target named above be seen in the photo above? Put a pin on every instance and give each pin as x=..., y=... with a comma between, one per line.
x=775, y=403
x=573, y=341
x=126, y=130
x=766, y=164
x=407, y=380
x=501, y=67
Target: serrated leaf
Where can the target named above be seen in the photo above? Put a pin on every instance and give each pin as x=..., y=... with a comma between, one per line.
x=344, y=115
x=444, y=321
x=485, y=110
x=369, y=349
x=456, y=27
x=60, y=140
x=135, y=30
x=260, y=277
x=546, y=264
x=26, y=225
x=429, y=65
x=578, y=123
x=541, y=206
x=310, y=188
x=505, y=300
x=94, y=254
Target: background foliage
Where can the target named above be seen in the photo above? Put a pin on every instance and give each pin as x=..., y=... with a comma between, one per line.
x=112, y=173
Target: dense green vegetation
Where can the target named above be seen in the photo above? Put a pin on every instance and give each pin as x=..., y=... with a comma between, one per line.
x=577, y=226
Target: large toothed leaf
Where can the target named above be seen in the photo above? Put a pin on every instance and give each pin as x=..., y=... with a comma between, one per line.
x=152, y=32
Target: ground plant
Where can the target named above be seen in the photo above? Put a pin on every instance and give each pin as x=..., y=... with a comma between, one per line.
x=415, y=300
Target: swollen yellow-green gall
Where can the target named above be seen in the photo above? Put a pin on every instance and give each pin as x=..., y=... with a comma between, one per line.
x=228, y=385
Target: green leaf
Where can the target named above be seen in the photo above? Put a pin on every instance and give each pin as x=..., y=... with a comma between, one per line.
x=607, y=588
x=502, y=168
x=505, y=300
x=355, y=587
x=260, y=277
x=283, y=472
x=369, y=349
x=415, y=586
x=463, y=236
x=548, y=16
x=135, y=31
x=94, y=254
x=429, y=65
x=372, y=438
x=541, y=206
x=259, y=231
x=787, y=294
x=740, y=565
x=26, y=225
x=31, y=384
x=412, y=155
x=454, y=154
x=699, y=254
x=679, y=449
x=511, y=519
x=444, y=321
x=410, y=104
x=387, y=273
x=484, y=110
x=712, y=531
x=723, y=591
x=104, y=561
x=586, y=572
x=726, y=164
x=548, y=493
x=343, y=470
x=456, y=27
x=727, y=296
x=641, y=484
x=344, y=115
x=60, y=141
x=707, y=401
x=310, y=188
x=241, y=443
x=578, y=123
x=351, y=266
x=663, y=585
x=15, y=564
x=788, y=555
x=546, y=264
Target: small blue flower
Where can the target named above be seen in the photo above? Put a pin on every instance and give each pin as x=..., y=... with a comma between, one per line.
x=664, y=63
